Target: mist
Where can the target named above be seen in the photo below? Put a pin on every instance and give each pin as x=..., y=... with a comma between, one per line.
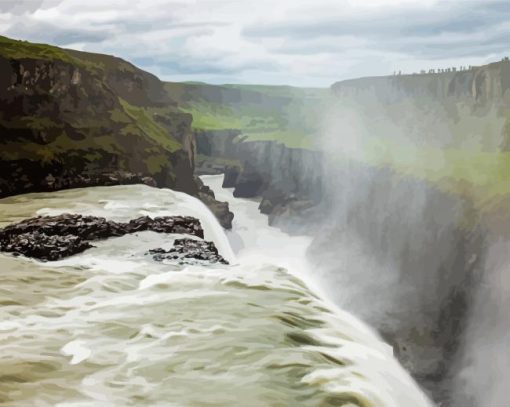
x=404, y=246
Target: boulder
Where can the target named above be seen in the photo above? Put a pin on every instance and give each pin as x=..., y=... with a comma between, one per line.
x=189, y=251
x=44, y=247
x=56, y=237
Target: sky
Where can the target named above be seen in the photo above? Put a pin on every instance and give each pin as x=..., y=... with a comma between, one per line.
x=279, y=42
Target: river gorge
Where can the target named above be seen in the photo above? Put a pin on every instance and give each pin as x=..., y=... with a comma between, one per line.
x=105, y=326
x=187, y=244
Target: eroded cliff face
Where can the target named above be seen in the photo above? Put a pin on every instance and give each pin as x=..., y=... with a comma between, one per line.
x=485, y=84
x=466, y=109
x=287, y=180
x=72, y=119
x=411, y=245
x=62, y=119
x=407, y=254
x=407, y=258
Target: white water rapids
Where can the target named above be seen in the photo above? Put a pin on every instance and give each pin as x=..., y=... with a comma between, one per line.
x=112, y=327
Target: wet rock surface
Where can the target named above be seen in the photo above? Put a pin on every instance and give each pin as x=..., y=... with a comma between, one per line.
x=44, y=247
x=220, y=209
x=231, y=176
x=189, y=251
x=249, y=184
x=55, y=237
x=31, y=178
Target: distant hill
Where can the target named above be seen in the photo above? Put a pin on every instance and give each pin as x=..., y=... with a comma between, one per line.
x=448, y=128
x=282, y=113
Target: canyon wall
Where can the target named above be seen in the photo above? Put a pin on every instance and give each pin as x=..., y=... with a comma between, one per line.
x=411, y=248
x=73, y=119
x=288, y=181
x=416, y=170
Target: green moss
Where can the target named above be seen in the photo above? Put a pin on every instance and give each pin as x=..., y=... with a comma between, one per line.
x=31, y=122
x=481, y=177
x=14, y=49
x=119, y=116
x=145, y=125
x=102, y=61
x=39, y=123
x=220, y=161
x=281, y=113
x=27, y=151
x=155, y=163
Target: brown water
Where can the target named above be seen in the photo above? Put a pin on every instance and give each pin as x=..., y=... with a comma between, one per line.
x=111, y=327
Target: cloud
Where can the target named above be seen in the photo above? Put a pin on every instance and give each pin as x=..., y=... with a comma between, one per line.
x=449, y=28
x=300, y=42
x=19, y=6
x=41, y=31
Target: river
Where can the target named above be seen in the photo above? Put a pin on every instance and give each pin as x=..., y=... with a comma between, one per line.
x=112, y=327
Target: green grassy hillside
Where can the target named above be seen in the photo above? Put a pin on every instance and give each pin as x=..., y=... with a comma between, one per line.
x=286, y=114
x=450, y=129
x=70, y=112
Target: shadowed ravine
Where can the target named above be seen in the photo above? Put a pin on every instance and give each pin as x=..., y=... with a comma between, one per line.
x=112, y=327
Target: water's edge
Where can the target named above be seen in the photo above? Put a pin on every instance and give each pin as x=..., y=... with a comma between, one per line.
x=112, y=327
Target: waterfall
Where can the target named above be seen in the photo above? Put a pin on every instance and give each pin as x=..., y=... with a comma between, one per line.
x=112, y=327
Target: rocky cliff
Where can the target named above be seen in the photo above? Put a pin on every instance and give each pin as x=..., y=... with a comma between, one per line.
x=467, y=109
x=406, y=202
x=407, y=258
x=287, y=180
x=483, y=84
x=418, y=197
x=71, y=119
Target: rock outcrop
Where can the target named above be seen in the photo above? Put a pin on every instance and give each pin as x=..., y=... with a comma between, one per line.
x=415, y=237
x=72, y=119
x=189, y=251
x=220, y=209
x=55, y=237
x=288, y=180
x=416, y=251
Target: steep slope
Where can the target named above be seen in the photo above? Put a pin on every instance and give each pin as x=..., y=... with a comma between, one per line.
x=455, y=126
x=263, y=137
x=418, y=169
x=280, y=113
x=71, y=119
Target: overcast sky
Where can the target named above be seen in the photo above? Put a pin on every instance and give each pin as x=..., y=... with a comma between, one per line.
x=295, y=42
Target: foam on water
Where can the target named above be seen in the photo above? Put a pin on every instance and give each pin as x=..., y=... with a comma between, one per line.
x=111, y=327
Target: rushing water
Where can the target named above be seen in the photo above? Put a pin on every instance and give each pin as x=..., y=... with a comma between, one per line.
x=111, y=327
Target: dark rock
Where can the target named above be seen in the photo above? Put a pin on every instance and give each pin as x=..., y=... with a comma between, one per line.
x=164, y=224
x=86, y=227
x=266, y=206
x=47, y=181
x=249, y=184
x=231, y=176
x=97, y=179
x=149, y=181
x=73, y=104
x=267, y=169
x=273, y=198
x=187, y=250
x=44, y=247
x=56, y=237
x=219, y=209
